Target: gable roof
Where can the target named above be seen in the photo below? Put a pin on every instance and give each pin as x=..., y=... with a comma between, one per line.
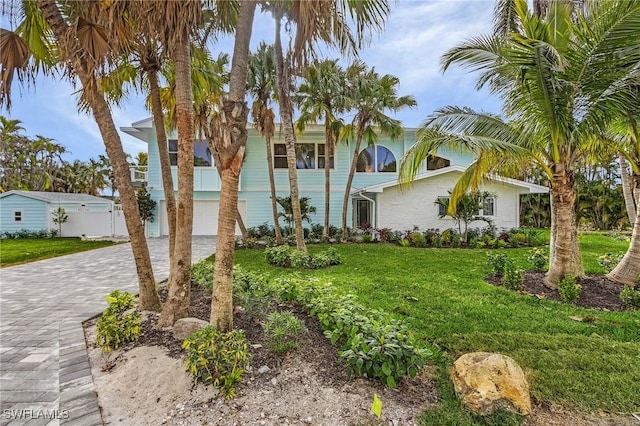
x=529, y=187
x=55, y=197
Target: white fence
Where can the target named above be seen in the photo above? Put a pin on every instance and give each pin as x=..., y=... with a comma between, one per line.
x=93, y=223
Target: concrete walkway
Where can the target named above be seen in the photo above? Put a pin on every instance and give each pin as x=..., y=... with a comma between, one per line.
x=45, y=377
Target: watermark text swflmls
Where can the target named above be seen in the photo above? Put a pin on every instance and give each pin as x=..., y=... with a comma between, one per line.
x=31, y=413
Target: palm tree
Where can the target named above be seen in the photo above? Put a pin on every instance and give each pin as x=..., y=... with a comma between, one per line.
x=322, y=95
x=261, y=82
x=316, y=21
x=372, y=97
x=83, y=49
x=628, y=144
x=562, y=78
x=230, y=147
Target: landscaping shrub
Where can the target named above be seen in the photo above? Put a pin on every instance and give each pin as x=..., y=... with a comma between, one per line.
x=25, y=233
x=371, y=343
x=285, y=256
x=119, y=323
x=217, y=358
x=609, y=261
x=538, y=259
x=630, y=296
x=202, y=275
x=250, y=291
x=513, y=279
x=281, y=331
x=569, y=289
x=499, y=262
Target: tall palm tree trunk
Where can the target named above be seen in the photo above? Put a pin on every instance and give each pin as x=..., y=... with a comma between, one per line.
x=163, y=154
x=179, y=286
x=347, y=189
x=328, y=149
x=231, y=149
x=627, y=190
x=286, y=116
x=272, y=187
x=628, y=270
x=148, y=297
x=564, y=251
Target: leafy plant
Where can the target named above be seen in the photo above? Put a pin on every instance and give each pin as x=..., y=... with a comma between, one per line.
x=371, y=343
x=250, y=291
x=278, y=256
x=538, y=259
x=499, y=262
x=118, y=324
x=630, y=296
x=569, y=289
x=281, y=331
x=608, y=261
x=299, y=259
x=217, y=358
x=146, y=204
x=59, y=217
x=202, y=275
x=513, y=279
x=286, y=256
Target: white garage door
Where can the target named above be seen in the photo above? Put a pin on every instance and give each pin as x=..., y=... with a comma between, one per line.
x=205, y=217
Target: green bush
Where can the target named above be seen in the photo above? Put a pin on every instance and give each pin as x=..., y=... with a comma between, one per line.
x=538, y=259
x=417, y=239
x=630, y=296
x=251, y=293
x=299, y=259
x=499, y=262
x=217, y=358
x=118, y=324
x=371, y=343
x=513, y=279
x=281, y=331
x=25, y=233
x=569, y=289
x=202, y=275
x=278, y=256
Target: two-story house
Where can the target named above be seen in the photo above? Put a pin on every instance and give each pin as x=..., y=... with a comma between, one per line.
x=376, y=198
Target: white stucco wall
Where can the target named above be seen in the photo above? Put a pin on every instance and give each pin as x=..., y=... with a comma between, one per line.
x=401, y=210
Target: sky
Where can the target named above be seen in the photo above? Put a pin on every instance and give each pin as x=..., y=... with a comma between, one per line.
x=416, y=35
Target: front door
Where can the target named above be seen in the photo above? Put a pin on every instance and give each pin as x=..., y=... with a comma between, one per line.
x=363, y=214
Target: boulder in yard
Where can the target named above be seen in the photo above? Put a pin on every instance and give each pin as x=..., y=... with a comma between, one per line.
x=486, y=382
x=185, y=327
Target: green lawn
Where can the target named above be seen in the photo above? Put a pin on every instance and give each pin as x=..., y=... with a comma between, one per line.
x=15, y=251
x=442, y=295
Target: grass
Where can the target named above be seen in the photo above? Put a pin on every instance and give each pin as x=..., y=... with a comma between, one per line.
x=16, y=251
x=441, y=293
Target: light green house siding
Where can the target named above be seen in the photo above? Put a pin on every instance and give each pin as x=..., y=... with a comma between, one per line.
x=33, y=213
x=254, y=190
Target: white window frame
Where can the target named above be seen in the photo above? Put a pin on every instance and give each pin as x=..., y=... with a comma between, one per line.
x=18, y=212
x=375, y=159
x=441, y=207
x=493, y=205
x=315, y=154
x=213, y=163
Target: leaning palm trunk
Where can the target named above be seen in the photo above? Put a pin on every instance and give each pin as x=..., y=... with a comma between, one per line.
x=179, y=285
x=165, y=161
x=328, y=150
x=272, y=187
x=347, y=189
x=627, y=190
x=286, y=115
x=564, y=251
x=148, y=297
x=628, y=270
x=231, y=147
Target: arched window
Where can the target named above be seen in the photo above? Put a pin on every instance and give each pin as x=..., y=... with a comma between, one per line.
x=376, y=158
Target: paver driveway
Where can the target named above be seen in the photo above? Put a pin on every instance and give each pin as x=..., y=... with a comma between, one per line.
x=45, y=376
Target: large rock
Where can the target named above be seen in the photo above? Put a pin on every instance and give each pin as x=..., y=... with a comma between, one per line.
x=185, y=327
x=486, y=382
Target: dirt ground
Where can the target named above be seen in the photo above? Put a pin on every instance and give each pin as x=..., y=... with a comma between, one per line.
x=146, y=383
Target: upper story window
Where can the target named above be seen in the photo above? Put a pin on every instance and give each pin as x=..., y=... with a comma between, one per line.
x=376, y=158
x=17, y=216
x=434, y=162
x=309, y=156
x=201, y=153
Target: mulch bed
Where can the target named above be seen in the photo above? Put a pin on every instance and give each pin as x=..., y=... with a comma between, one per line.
x=597, y=290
